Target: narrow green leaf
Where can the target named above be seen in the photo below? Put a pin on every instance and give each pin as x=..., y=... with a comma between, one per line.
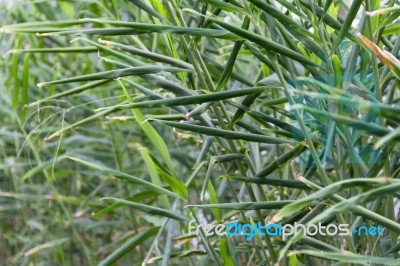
x=137, y=197
x=155, y=178
x=25, y=87
x=83, y=49
x=269, y=181
x=149, y=209
x=112, y=74
x=225, y=133
x=281, y=160
x=358, y=200
x=147, y=54
x=150, y=132
x=47, y=245
x=246, y=205
x=226, y=6
x=350, y=16
x=176, y=185
x=120, y=175
x=185, y=100
x=281, y=17
x=148, y=9
x=232, y=58
x=128, y=246
x=78, y=89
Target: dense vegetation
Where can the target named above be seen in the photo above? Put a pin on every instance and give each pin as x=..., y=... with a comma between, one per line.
x=122, y=121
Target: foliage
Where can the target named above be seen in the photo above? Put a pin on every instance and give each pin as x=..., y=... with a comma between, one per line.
x=121, y=121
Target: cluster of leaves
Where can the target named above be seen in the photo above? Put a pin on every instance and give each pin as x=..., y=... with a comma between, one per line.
x=121, y=121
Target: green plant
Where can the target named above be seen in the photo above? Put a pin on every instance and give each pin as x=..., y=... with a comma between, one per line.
x=148, y=114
